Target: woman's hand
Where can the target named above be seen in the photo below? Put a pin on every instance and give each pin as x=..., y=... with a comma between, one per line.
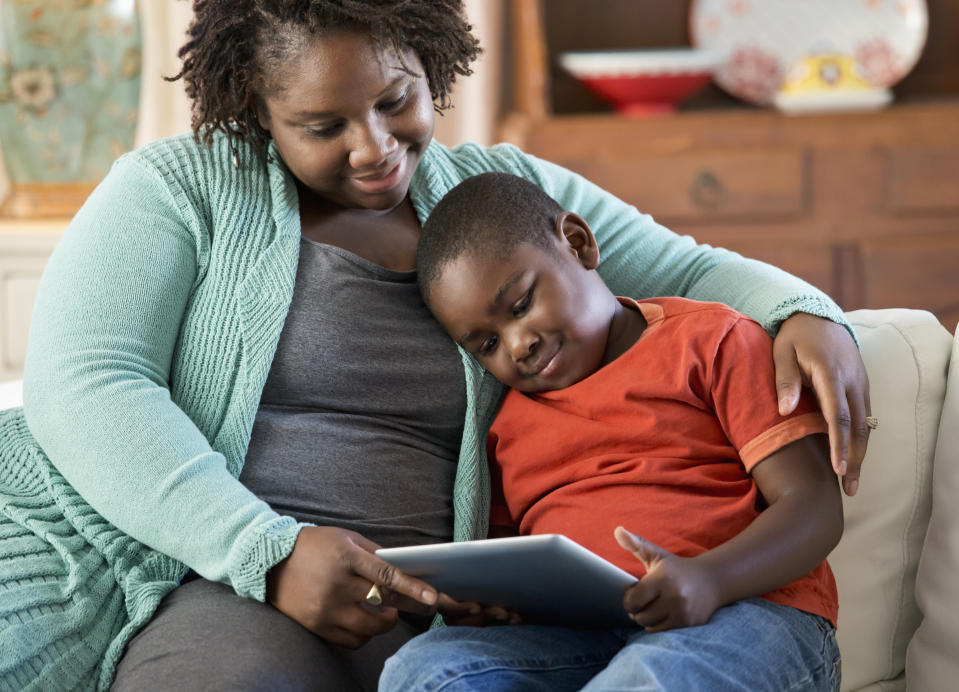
x=674, y=592
x=819, y=353
x=468, y=614
x=323, y=585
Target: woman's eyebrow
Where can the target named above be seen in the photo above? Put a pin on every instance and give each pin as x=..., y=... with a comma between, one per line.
x=332, y=114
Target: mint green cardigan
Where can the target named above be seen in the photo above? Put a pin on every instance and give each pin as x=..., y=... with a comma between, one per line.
x=153, y=332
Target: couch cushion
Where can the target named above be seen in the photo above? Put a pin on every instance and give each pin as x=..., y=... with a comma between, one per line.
x=906, y=353
x=932, y=662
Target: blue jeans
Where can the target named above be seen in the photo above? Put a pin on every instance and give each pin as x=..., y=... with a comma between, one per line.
x=749, y=645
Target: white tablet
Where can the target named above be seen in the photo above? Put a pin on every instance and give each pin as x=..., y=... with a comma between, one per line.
x=548, y=578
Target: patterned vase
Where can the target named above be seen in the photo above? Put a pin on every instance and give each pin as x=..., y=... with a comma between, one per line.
x=69, y=97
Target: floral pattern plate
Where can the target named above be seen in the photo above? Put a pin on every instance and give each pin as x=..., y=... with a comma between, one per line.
x=758, y=41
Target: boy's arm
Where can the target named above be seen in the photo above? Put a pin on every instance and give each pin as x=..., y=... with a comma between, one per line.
x=801, y=525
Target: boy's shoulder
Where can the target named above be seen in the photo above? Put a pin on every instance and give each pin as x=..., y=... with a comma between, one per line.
x=674, y=308
x=700, y=325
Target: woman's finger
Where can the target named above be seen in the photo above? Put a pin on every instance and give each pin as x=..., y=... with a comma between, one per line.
x=859, y=409
x=788, y=376
x=383, y=574
x=835, y=409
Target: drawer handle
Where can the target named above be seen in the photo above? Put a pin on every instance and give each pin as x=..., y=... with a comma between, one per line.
x=707, y=191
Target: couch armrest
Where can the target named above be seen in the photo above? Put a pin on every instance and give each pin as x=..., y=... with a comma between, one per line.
x=932, y=662
x=906, y=353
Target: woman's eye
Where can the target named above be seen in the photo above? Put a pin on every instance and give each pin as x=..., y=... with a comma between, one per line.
x=488, y=346
x=395, y=104
x=324, y=132
x=523, y=304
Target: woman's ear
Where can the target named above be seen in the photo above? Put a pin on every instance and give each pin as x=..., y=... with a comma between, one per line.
x=575, y=233
x=262, y=113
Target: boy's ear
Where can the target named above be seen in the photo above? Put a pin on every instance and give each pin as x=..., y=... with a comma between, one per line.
x=578, y=237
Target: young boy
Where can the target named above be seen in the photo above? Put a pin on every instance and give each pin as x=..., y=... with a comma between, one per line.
x=647, y=431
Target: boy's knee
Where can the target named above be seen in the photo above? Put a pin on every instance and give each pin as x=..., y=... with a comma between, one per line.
x=398, y=675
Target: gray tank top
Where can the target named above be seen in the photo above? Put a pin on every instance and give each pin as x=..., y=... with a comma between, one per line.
x=360, y=420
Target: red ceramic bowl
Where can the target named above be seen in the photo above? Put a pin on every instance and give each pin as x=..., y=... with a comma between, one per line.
x=642, y=82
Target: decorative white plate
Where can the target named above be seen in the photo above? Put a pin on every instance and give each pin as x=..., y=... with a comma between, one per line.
x=758, y=41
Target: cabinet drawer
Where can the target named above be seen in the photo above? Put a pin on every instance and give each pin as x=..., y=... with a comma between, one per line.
x=706, y=186
x=913, y=272
x=922, y=180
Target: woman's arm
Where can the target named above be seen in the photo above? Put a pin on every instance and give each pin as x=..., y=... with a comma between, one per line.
x=801, y=525
x=107, y=319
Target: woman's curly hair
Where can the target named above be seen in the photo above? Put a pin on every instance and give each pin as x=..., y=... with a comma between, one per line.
x=234, y=46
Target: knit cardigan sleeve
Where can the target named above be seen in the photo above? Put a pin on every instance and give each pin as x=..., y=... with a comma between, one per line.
x=97, y=386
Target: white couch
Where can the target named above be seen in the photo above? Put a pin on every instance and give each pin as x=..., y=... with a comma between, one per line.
x=898, y=563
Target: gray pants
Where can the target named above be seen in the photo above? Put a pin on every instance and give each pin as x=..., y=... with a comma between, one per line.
x=205, y=637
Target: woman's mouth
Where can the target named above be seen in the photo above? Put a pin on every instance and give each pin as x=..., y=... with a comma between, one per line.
x=381, y=182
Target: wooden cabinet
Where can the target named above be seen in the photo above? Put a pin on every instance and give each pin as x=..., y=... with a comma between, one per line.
x=865, y=206
x=25, y=247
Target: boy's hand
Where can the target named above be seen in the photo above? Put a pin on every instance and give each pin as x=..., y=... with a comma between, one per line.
x=467, y=614
x=675, y=592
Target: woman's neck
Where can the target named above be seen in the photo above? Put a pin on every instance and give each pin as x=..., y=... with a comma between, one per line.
x=385, y=237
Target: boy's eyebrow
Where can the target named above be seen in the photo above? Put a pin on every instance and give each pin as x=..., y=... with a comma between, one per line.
x=494, y=304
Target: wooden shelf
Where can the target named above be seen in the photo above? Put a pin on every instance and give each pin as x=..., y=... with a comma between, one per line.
x=863, y=205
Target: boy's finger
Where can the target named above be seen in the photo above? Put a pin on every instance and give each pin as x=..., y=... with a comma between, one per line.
x=644, y=550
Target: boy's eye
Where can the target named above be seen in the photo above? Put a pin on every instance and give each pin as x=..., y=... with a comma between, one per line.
x=523, y=304
x=488, y=346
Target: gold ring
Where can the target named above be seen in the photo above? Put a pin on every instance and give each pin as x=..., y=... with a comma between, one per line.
x=374, y=597
x=872, y=422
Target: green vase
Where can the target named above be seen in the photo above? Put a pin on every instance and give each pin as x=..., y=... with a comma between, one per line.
x=69, y=93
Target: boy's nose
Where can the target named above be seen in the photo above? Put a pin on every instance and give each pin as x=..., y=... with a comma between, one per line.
x=521, y=343
x=371, y=146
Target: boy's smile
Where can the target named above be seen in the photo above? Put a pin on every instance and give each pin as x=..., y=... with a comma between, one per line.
x=538, y=319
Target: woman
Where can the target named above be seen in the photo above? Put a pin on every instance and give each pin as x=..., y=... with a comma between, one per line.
x=231, y=381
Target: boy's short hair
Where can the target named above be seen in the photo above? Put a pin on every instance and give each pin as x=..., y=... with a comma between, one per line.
x=492, y=213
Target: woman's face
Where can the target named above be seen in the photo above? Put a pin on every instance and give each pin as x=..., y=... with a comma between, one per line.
x=349, y=121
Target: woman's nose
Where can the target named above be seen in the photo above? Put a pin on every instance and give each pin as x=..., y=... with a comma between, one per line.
x=371, y=146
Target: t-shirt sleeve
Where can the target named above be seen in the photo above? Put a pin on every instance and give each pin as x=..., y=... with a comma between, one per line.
x=743, y=390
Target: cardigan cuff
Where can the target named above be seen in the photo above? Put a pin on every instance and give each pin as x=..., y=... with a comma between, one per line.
x=265, y=546
x=813, y=305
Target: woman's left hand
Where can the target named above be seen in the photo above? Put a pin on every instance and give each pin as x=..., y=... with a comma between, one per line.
x=821, y=354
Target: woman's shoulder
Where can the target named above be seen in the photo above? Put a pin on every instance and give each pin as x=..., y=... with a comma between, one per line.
x=470, y=158
x=185, y=154
x=193, y=172
x=443, y=167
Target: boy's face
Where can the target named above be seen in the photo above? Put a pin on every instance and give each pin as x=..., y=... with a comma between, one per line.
x=538, y=320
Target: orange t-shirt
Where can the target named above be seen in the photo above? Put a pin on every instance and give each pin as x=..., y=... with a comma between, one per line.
x=660, y=441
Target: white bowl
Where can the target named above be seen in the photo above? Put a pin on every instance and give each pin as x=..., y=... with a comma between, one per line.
x=606, y=63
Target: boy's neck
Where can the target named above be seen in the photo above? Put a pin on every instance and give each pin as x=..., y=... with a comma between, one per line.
x=625, y=328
